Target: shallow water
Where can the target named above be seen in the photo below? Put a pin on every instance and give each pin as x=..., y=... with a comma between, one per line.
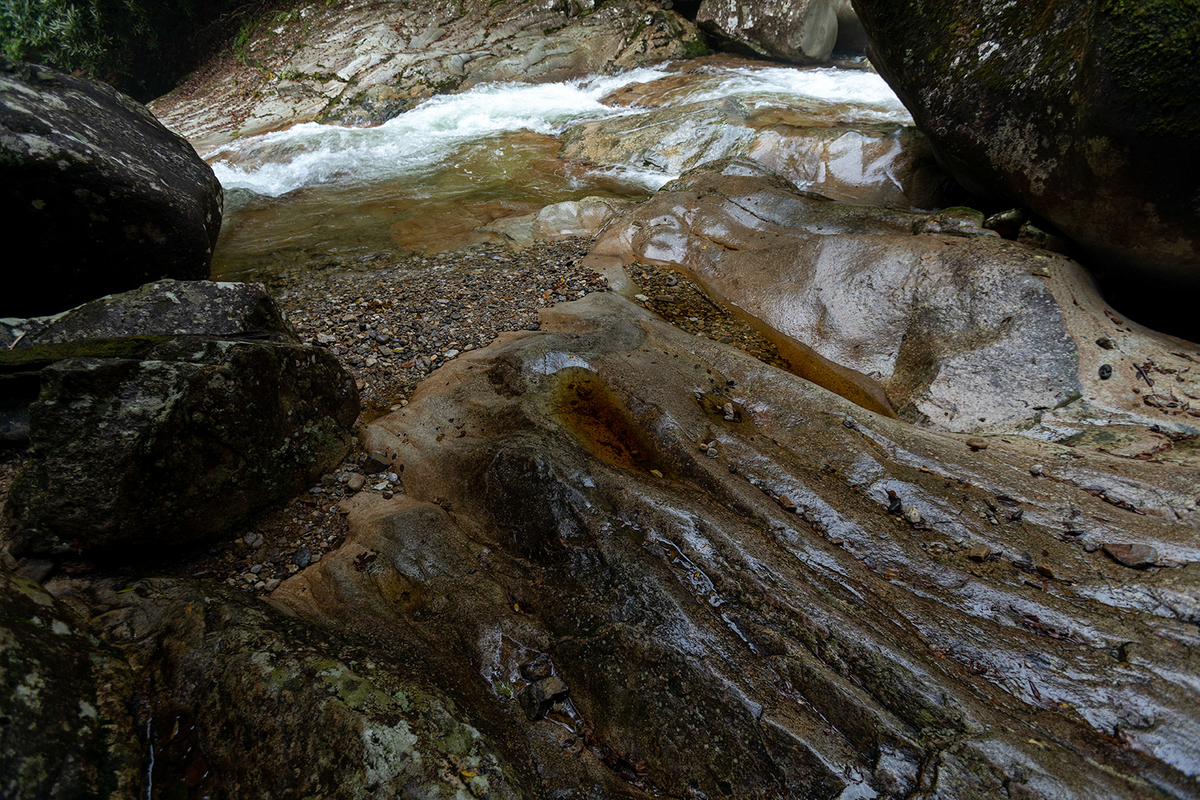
x=430, y=178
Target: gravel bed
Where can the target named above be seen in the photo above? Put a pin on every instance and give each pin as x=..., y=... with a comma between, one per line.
x=392, y=320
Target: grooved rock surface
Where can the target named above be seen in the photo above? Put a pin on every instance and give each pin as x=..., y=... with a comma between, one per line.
x=961, y=329
x=96, y=191
x=808, y=609
x=1086, y=111
x=822, y=146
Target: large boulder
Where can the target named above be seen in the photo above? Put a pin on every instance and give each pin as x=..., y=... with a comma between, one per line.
x=962, y=330
x=801, y=31
x=1087, y=112
x=156, y=431
x=236, y=700
x=665, y=566
x=98, y=195
x=65, y=724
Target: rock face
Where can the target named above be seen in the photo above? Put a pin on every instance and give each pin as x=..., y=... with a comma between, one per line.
x=963, y=330
x=103, y=196
x=239, y=701
x=302, y=68
x=1085, y=112
x=67, y=730
x=804, y=31
x=166, y=438
x=809, y=581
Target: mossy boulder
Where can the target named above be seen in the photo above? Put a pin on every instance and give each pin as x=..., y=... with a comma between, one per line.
x=177, y=445
x=1085, y=111
x=65, y=725
x=97, y=193
x=164, y=415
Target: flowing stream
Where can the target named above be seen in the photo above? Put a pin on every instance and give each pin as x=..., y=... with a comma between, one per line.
x=430, y=178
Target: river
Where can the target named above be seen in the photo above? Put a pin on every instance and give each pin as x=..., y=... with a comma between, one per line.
x=432, y=177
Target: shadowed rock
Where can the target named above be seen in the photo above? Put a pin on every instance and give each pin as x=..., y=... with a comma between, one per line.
x=804, y=31
x=65, y=724
x=99, y=193
x=762, y=622
x=1085, y=111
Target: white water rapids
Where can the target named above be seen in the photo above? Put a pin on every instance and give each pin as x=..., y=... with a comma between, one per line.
x=483, y=154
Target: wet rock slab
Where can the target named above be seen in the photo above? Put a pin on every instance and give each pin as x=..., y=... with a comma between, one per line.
x=774, y=618
x=961, y=329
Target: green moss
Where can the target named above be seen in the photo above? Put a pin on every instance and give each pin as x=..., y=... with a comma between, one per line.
x=1152, y=53
x=38, y=356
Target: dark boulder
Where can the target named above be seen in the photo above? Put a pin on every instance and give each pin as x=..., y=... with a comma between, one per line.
x=1087, y=112
x=167, y=415
x=803, y=32
x=65, y=726
x=91, y=182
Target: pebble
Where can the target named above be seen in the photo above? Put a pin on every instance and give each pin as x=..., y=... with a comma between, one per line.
x=272, y=584
x=979, y=552
x=913, y=515
x=302, y=557
x=1135, y=556
x=356, y=482
x=977, y=444
x=1036, y=470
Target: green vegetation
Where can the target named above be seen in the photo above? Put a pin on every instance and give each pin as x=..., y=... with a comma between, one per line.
x=140, y=46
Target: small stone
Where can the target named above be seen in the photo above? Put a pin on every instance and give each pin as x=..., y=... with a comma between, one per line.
x=730, y=413
x=260, y=585
x=257, y=568
x=540, y=696
x=302, y=557
x=895, y=504
x=979, y=552
x=913, y=515
x=712, y=450
x=656, y=473
x=1135, y=556
x=977, y=444
x=537, y=668
x=1036, y=470
x=356, y=482
x=786, y=503
x=387, y=494
x=1105, y=342
x=641, y=298
x=377, y=461
x=450, y=354
x=272, y=584
x=1049, y=571
x=1105, y=371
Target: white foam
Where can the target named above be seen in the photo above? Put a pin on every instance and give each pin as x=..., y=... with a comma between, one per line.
x=425, y=138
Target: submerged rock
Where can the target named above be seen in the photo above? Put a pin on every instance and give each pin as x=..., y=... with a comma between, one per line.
x=65, y=724
x=1087, y=112
x=960, y=329
x=166, y=415
x=95, y=189
x=718, y=643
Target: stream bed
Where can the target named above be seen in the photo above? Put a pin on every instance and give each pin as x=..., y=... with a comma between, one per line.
x=432, y=178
